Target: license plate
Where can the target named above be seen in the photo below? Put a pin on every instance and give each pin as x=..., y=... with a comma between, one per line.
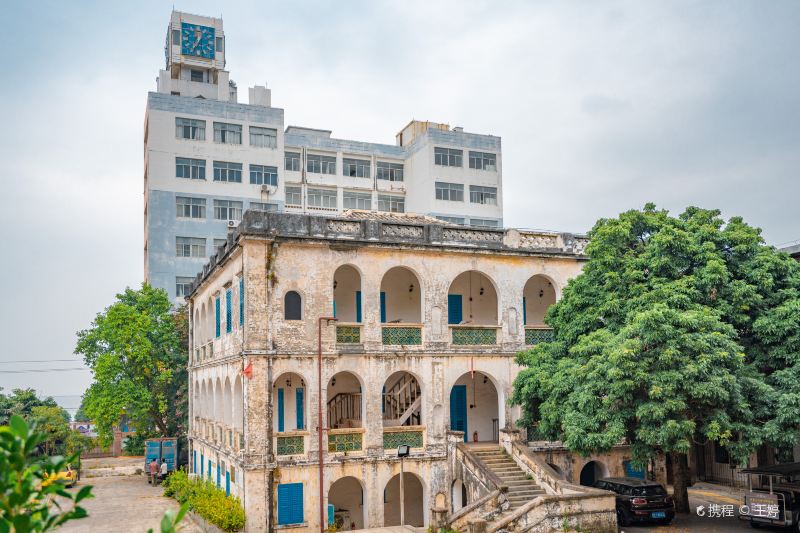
x=658, y=514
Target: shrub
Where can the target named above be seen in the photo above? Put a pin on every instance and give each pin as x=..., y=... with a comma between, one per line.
x=207, y=500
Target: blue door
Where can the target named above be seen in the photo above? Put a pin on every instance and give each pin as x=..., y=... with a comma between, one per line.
x=227, y=483
x=209, y=469
x=280, y=410
x=358, y=306
x=202, y=462
x=194, y=462
x=458, y=409
x=290, y=503
x=524, y=312
x=218, y=475
x=383, y=307
x=454, y=313
x=334, y=309
x=298, y=407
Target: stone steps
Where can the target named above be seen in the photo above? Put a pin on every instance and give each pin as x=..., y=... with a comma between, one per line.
x=521, y=489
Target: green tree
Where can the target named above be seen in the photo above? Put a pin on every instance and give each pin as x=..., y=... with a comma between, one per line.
x=21, y=402
x=26, y=493
x=80, y=414
x=138, y=354
x=50, y=421
x=672, y=335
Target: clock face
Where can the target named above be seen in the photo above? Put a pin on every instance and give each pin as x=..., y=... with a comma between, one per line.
x=197, y=41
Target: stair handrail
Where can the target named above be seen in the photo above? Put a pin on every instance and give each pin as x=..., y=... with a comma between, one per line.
x=491, y=501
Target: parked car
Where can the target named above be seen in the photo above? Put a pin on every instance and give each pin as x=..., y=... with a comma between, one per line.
x=68, y=475
x=639, y=500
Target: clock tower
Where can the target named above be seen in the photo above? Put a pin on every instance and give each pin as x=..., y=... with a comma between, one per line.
x=195, y=59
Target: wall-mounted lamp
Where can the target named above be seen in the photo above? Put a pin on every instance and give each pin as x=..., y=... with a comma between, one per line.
x=333, y=382
x=541, y=293
x=411, y=288
x=288, y=382
x=335, y=283
x=485, y=379
x=302, y=383
x=481, y=291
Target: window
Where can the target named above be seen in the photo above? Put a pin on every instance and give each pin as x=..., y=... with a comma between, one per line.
x=356, y=168
x=196, y=75
x=263, y=137
x=194, y=169
x=263, y=206
x=391, y=204
x=218, y=243
x=294, y=196
x=389, y=171
x=452, y=192
x=176, y=37
x=216, y=331
x=227, y=133
x=448, y=157
x=263, y=175
x=230, y=172
x=452, y=220
x=228, y=311
x=292, y=306
x=321, y=164
x=190, y=247
x=482, y=223
x=483, y=195
x=220, y=44
x=291, y=161
x=187, y=128
x=228, y=210
x=482, y=160
x=186, y=207
x=290, y=503
x=357, y=200
x=241, y=301
x=325, y=198
x=183, y=286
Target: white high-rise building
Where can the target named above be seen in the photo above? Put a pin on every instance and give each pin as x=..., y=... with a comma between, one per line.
x=208, y=158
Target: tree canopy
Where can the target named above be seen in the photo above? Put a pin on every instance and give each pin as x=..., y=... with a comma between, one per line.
x=22, y=402
x=679, y=330
x=137, y=349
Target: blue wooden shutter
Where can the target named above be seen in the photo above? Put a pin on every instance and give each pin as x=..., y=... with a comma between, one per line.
x=299, y=408
x=331, y=514
x=228, y=311
x=227, y=483
x=383, y=307
x=202, y=460
x=241, y=302
x=334, y=309
x=524, y=312
x=209, y=469
x=194, y=462
x=218, y=476
x=454, y=312
x=358, y=306
x=280, y=410
x=458, y=409
x=290, y=503
x=216, y=317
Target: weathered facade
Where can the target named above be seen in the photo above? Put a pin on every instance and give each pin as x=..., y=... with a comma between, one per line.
x=429, y=318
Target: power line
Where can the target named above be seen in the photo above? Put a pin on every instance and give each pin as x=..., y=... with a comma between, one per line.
x=39, y=361
x=43, y=370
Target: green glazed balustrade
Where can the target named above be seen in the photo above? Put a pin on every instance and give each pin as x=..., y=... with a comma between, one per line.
x=344, y=442
x=407, y=336
x=391, y=440
x=348, y=335
x=290, y=445
x=474, y=336
x=535, y=336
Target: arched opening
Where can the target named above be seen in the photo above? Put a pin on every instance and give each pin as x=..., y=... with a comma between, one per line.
x=472, y=300
x=400, y=298
x=475, y=408
x=402, y=400
x=210, y=330
x=347, y=294
x=218, y=401
x=413, y=502
x=289, y=400
x=197, y=334
x=592, y=471
x=227, y=403
x=458, y=495
x=537, y=296
x=345, y=401
x=347, y=497
x=292, y=306
x=238, y=404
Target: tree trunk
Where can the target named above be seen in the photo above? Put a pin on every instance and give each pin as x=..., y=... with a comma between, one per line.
x=680, y=481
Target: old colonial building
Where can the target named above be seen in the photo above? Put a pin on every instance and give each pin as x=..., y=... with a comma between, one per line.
x=428, y=320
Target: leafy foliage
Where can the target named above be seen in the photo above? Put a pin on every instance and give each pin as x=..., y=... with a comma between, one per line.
x=170, y=520
x=26, y=495
x=137, y=350
x=678, y=331
x=22, y=402
x=207, y=500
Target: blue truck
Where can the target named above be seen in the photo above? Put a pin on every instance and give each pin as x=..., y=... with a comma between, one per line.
x=163, y=448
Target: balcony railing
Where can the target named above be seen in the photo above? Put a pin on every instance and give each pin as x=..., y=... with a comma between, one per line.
x=473, y=335
x=345, y=440
x=402, y=334
x=291, y=444
x=536, y=334
x=413, y=436
x=348, y=334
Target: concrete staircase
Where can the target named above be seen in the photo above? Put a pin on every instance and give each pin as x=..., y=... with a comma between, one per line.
x=521, y=489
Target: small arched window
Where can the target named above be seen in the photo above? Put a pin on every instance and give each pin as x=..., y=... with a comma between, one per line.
x=292, y=306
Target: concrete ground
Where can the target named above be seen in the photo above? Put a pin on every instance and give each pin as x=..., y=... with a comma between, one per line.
x=701, y=496
x=123, y=501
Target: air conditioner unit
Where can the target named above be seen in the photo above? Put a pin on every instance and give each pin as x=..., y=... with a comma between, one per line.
x=233, y=223
x=268, y=189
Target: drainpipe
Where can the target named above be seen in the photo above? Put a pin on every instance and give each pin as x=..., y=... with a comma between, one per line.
x=320, y=428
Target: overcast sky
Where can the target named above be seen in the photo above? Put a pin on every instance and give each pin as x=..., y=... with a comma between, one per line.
x=601, y=106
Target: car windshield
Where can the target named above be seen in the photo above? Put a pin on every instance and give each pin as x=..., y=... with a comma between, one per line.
x=648, y=490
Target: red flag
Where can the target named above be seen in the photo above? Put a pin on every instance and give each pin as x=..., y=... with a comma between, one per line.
x=248, y=370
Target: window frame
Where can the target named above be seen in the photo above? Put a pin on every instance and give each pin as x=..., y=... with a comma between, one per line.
x=224, y=130
x=386, y=170
x=322, y=164
x=180, y=286
x=364, y=198
x=259, y=174
x=324, y=194
x=265, y=207
x=196, y=247
x=392, y=199
x=448, y=157
x=296, y=165
x=479, y=194
x=228, y=170
x=229, y=207
x=445, y=191
x=299, y=303
x=195, y=127
x=195, y=168
x=494, y=224
x=270, y=134
x=483, y=161
x=356, y=168
x=194, y=202
x=290, y=190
